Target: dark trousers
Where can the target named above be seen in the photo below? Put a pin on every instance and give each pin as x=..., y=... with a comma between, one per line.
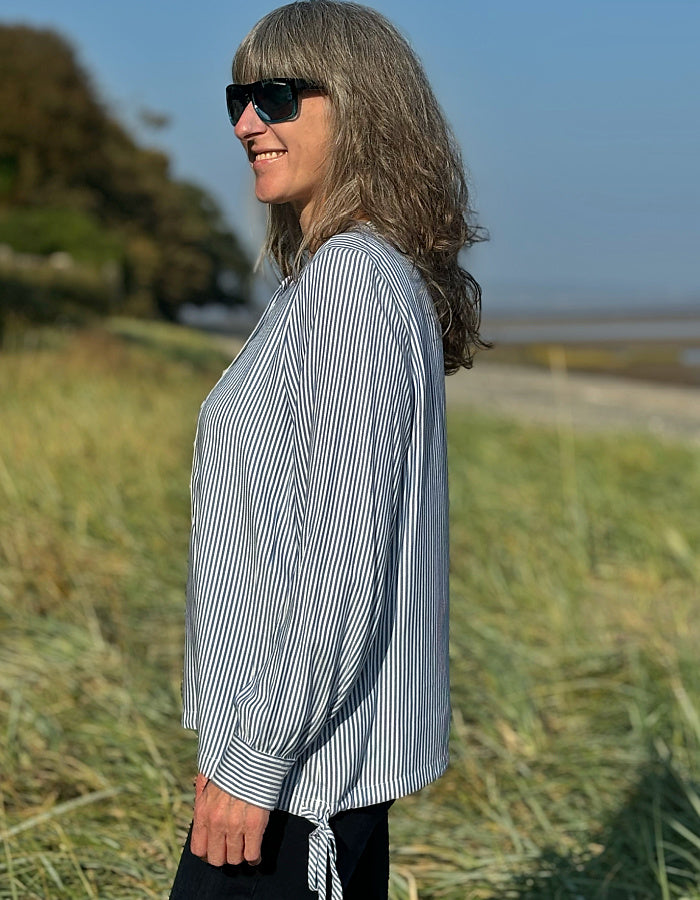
x=362, y=843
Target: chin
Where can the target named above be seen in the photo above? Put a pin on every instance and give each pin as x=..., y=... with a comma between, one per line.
x=270, y=196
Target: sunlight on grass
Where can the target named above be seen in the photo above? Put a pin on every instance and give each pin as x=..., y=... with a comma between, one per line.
x=575, y=627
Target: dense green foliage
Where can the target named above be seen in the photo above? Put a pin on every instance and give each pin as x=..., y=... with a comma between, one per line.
x=73, y=180
x=575, y=627
x=46, y=230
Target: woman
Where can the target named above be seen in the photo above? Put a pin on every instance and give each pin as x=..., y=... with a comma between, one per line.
x=316, y=661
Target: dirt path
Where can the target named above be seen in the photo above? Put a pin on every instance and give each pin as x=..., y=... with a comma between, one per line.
x=594, y=402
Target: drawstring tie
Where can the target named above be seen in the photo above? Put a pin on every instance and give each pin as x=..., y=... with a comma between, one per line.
x=322, y=852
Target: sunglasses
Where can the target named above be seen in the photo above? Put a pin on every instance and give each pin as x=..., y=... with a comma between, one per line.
x=274, y=99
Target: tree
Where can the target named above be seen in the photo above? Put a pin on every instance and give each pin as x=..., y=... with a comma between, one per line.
x=61, y=150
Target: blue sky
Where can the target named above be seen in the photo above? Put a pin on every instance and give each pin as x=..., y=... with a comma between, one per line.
x=579, y=122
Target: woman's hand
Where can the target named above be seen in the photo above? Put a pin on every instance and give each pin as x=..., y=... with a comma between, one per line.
x=225, y=829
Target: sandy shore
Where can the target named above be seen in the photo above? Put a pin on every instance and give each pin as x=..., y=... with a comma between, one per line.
x=594, y=402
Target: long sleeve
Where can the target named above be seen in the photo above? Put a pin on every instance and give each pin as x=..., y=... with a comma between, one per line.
x=316, y=629
x=347, y=385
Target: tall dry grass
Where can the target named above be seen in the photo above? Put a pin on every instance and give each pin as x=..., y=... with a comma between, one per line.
x=575, y=625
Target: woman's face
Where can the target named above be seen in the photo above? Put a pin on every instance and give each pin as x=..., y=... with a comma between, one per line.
x=289, y=158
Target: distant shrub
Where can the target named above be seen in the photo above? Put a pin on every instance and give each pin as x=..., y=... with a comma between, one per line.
x=46, y=230
x=42, y=295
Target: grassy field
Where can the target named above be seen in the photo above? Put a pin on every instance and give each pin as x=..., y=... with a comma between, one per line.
x=575, y=626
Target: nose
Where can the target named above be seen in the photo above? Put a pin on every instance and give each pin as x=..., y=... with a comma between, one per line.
x=249, y=123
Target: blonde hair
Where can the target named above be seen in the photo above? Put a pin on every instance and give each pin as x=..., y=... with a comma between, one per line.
x=393, y=158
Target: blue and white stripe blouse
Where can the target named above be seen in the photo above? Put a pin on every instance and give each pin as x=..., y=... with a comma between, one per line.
x=316, y=650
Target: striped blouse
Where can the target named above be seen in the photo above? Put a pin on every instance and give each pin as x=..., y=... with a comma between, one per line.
x=316, y=649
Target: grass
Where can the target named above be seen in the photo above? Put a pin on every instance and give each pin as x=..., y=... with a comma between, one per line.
x=575, y=624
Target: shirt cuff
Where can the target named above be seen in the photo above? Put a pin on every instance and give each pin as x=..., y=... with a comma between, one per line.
x=250, y=775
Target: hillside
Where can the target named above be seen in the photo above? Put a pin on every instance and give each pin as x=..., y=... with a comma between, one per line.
x=73, y=181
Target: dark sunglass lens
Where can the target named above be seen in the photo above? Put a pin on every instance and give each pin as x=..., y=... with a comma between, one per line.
x=236, y=102
x=276, y=100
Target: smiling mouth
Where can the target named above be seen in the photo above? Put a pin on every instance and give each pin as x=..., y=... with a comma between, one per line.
x=268, y=154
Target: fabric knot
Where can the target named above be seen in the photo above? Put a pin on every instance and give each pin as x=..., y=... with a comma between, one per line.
x=322, y=856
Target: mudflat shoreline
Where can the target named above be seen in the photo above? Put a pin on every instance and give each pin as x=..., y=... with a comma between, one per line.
x=580, y=330
x=577, y=400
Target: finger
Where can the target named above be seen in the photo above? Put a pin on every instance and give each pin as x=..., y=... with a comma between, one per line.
x=234, y=849
x=252, y=855
x=253, y=847
x=216, y=848
x=198, y=840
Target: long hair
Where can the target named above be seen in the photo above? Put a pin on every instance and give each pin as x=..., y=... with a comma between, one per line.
x=393, y=159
